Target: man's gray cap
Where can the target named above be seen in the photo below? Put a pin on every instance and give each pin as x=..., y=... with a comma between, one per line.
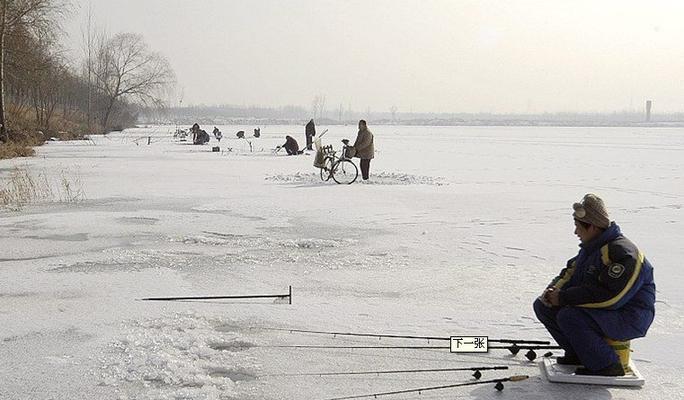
x=592, y=211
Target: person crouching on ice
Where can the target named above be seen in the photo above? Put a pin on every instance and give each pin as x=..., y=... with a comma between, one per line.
x=291, y=146
x=605, y=292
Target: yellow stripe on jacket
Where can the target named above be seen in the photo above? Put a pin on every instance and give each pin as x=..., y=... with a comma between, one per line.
x=628, y=286
x=567, y=274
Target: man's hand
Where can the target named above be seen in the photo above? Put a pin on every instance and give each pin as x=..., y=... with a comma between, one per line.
x=543, y=299
x=552, y=296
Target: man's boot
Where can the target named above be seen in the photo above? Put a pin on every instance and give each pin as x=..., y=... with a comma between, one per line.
x=612, y=370
x=569, y=359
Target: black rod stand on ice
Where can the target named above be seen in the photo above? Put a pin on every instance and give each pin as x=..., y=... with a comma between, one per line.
x=287, y=296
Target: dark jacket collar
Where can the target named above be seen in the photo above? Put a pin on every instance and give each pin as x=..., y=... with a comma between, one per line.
x=608, y=235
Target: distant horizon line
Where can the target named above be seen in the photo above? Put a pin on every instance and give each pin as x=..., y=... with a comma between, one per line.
x=331, y=111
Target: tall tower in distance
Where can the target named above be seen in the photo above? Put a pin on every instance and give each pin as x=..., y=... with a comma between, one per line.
x=649, y=103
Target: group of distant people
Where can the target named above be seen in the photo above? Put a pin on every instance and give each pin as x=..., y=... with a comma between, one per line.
x=200, y=136
x=292, y=147
x=363, y=147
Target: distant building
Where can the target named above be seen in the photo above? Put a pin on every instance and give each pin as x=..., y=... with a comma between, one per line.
x=649, y=103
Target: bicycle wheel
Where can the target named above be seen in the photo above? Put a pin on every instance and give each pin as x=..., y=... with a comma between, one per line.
x=345, y=172
x=325, y=171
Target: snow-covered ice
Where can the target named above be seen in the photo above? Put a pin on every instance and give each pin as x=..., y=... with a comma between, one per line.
x=458, y=231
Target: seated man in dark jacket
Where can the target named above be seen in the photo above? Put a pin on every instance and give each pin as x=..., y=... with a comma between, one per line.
x=201, y=137
x=605, y=292
x=291, y=146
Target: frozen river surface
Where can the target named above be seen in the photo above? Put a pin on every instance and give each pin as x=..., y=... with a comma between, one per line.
x=457, y=232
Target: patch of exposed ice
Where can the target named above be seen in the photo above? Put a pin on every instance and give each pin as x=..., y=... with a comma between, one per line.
x=176, y=357
x=138, y=220
x=266, y=250
x=392, y=178
x=381, y=178
x=117, y=259
x=297, y=177
x=314, y=243
x=218, y=239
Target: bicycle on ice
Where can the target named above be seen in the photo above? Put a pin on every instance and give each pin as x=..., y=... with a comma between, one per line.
x=340, y=168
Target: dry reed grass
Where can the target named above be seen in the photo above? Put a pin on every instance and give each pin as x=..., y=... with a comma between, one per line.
x=23, y=187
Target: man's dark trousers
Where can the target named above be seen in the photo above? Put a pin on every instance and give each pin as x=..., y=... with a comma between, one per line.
x=578, y=334
x=365, y=168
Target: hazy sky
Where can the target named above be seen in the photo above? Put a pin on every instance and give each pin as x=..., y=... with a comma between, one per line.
x=448, y=55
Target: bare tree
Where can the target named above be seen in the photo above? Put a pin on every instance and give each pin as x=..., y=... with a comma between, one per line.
x=322, y=106
x=125, y=68
x=32, y=16
x=393, y=110
x=314, y=106
x=90, y=37
x=318, y=105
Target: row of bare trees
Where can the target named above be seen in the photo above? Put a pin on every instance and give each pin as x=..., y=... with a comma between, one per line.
x=43, y=89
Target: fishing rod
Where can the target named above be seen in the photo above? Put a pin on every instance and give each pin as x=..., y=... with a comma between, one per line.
x=499, y=386
x=252, y=296
x=380, y=336
x=512, y=349
x=530, y=355
x=315, y=346
x=477, y=372
x=515, y=348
